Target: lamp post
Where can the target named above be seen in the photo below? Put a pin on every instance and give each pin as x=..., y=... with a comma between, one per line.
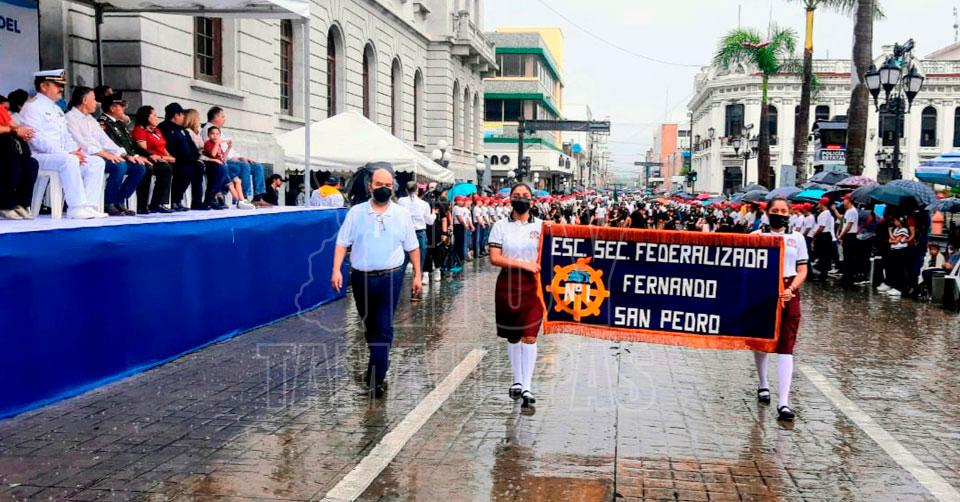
x=749, y=144
x=441, y=155
x=901, y=82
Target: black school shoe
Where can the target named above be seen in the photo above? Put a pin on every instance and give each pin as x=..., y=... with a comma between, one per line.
x=528, y=399
x=785, y=413
x=516, y=390
x=763, y=396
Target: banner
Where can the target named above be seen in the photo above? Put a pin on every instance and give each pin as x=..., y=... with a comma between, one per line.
x=19, y=45
x=705, y=290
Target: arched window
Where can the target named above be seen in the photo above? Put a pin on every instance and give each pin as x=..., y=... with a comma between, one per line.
x=477, y=113
x=396, y=98
x=772, y=123
x=733, y=125
x=822, y=113
x=335, y=71
x=467, y=120
x=888, y=124
x=956, y=128
x=369, y=82
x=456, y=114
x=928, y=127
x=417, y=105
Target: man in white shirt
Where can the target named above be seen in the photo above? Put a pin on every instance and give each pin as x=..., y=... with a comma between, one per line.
x=848, y=239
x=123, y=177
x=824, y=241
x=422, y=216
x=378, y=234
x=55, y=150
x=327, y=195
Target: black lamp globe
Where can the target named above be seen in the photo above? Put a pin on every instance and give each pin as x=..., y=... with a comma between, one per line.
x=889, y=76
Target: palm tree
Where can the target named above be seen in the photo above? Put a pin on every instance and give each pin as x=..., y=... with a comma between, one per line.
x=860, y=97
x=771, y=57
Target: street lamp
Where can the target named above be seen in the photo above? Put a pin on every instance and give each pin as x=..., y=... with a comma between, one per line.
x=899, y=92
x=749, y=144
x=440, y=155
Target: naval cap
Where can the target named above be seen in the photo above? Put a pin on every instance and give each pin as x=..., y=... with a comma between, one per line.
x=55, y=76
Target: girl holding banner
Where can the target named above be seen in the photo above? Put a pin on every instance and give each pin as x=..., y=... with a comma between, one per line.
x=794, y=274
x=514, y=246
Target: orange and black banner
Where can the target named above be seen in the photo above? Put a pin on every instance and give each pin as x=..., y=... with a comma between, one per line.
x=704, y=290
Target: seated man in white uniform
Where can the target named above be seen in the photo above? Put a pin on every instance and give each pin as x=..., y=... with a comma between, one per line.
x=55, y=149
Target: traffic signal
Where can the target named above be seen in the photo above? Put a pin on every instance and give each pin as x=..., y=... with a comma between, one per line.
x=692, y=176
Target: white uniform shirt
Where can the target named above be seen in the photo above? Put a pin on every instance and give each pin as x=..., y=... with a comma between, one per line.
x=378, y=241
x=420, y=211
x=808, y=225
x=88, y=133
x=826, y=220
x=461, y=215
x=852, y=216
x=794, y=251
x=50, y=127
x=517, y=241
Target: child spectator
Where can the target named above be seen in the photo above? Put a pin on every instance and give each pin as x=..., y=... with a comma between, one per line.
x=215, y=151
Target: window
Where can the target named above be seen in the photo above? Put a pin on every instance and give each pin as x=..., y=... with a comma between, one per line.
x=493, y=110
x=734, y=120
x=956, y=128
x=511, y=65
x=772, y=123
x=334, y=71
x=417, y=105
x=467, y=120
x=512, y=110
x=822, y=113
x=888, y=123
x=457, y=121
x=928, y=127
x=796, y=117
x=286, y=65
x=396, y=98
x=369, y=82
x=208, y=49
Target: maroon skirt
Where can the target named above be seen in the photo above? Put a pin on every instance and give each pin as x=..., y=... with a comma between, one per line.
x=789, y=323
x=518, y=308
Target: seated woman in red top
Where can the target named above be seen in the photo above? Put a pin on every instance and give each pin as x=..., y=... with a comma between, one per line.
x=18, y=170
x=150, y=139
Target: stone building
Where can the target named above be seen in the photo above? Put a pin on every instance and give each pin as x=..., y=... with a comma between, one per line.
x=725, y=101
x=414, y=67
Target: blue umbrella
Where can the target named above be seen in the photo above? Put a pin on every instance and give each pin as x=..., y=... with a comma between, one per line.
x=782, y=192
x=951, y=205
x=540, y=193
x=809, y=195
x=863, y=195
x=754, y=196
x=754, y=186
x=817, y=186
x=895, y=196
x=461, y=190
x=504, y=191
x=922, y=193
x=828, y=177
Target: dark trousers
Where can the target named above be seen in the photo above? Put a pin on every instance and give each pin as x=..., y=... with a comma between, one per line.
x=161, y=190
x=217, y=179
x=376, y=297
x=183, y=177
x=123, y=178
x=460, y=242
x=18, y=173
x=898, y=266
x=851, y=258
x=824, y=250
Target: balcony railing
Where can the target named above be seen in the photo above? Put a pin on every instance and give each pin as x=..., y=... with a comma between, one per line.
x=467, y=35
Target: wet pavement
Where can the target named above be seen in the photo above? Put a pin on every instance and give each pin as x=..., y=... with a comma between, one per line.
x=277, y=414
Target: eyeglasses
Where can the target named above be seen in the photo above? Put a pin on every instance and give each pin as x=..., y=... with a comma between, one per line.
x=383, y=226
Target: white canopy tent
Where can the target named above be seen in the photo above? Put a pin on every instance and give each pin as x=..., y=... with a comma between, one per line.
x=348, y=141
x=297, y=10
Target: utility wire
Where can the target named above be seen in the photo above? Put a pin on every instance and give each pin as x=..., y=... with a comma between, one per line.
x=612, y=44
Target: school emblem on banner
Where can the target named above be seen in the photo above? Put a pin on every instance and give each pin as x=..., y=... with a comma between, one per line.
x=717, y=291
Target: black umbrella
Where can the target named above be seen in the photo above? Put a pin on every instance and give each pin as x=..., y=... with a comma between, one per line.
x=816, y=186
x=921, y=192
x=864, y=194
x=951, y=205
x=895, y=196
x=829, y=177
x=754, y=186
x=754, y=196
x=835, y=195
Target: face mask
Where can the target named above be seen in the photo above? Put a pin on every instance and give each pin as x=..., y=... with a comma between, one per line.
x=382, y=194
x=778, y=221
x=521, y=206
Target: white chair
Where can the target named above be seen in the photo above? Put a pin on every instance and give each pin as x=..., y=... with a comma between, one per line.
x=51, y=179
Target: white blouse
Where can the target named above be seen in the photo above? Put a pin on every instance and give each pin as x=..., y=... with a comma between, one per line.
x=517, y=240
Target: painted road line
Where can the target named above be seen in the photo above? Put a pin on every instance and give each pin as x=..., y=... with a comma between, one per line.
x=359, y=479
x=930, y=480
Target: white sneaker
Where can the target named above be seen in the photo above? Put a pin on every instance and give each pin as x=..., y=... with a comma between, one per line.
x=425, y=278
x=97, y=213
x=81, y=213
x=10, y=214
x=245, y=205
x=437, y=275
x=893, y=292
x=883, y=288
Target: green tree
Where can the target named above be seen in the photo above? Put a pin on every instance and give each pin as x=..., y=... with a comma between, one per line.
x=771, y=57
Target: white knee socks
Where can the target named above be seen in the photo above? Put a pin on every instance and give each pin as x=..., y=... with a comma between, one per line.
x=516, y=362
x=760, y=358
x=529, y=357
x=785, y=377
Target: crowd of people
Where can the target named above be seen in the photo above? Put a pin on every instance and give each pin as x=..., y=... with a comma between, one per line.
x=103, y=156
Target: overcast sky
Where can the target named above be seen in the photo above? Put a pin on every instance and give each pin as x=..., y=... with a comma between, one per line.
x=638, y=94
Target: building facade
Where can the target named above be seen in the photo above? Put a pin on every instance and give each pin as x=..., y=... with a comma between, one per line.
x=414, y=68
x=527, y=84
x=727, y=100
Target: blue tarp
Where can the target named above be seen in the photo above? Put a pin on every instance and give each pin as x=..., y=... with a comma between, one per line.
x=82, y=307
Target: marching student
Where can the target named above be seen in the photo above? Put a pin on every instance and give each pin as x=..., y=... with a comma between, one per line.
x=514, y=244
x=795, y=260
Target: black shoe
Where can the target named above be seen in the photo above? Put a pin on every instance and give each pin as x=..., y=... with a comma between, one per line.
x=113, y=210
x=178, y=207
x=375, y=392
x=201, y=207
x=785, y=413
x=763, y=395
x=515, y=391
x=528, y=399
x=161, y=210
